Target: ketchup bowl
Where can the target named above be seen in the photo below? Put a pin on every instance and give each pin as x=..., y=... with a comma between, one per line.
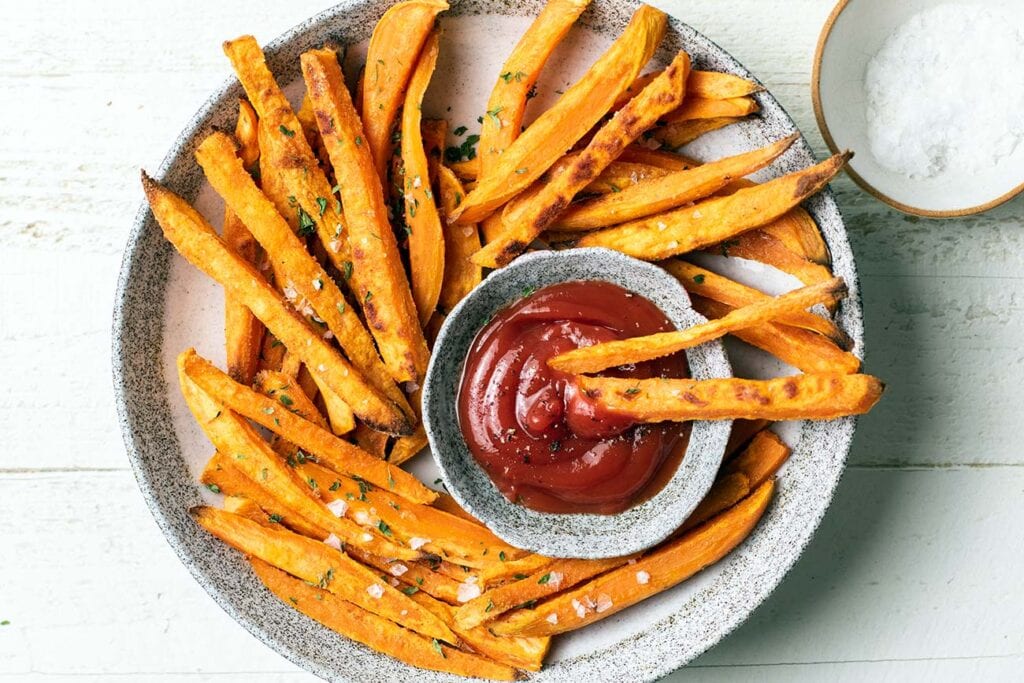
x=486, y=475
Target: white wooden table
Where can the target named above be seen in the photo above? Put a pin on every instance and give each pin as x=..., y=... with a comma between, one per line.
x=915, y=573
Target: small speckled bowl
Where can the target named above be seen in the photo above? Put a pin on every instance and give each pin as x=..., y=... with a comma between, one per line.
x=569, y=535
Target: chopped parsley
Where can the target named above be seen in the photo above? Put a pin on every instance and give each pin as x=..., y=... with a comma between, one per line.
x=346, y=270
x=213, y=487
x=544, y=579
x=275, y=518
x=336, y=485
x=460, y=131
x=307, y=227
x=437, y=648
x=286, y=400
x=384, y=528
x=322, y=204
x=490, y=606
x=699, y=279
x=286, y=131
x=466, y=150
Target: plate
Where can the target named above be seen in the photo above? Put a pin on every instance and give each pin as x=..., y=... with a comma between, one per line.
x=163, y=305
x=852, y=35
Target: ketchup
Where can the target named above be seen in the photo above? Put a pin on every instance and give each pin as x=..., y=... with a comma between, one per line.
x=541, y=440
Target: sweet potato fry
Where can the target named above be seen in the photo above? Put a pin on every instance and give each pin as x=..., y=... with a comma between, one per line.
x=519, y=73
x=800, y=234
x=710, y=285
x=414, y=575
x=663, y=568
x=370, y=440
x=254, y=458
x=710, y=85
x=290, y=153
x=599, y=357
x=667, y=192
x=426, y=241
x=742, y=432
x=575, y=113
x=322, y=566
x=757, y=245
x=717, y=219
x=243, y=332
x=467, y=543
x=507, y=568
x=684, y=132
x=337, y=454
x=390, y=59
x=526, y=218
x=658, y=158
x=406, y=447
x=292, y=366
x=220, y=474
x=760, y=460
x=283, y=388
x=305, y=284
x=307, y=119
x=375, y=632
x=196, y=240
x=521, y=652
x=724, y=493
x=243, y=507
x=445, y=502
x=803, y=349
x=695, y=108
x=556, y=577
x=621, y=175
x=380, y=281
x=800, y=397
x=461, y=275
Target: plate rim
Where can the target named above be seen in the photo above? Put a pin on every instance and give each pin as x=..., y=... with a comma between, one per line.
x=595, y=663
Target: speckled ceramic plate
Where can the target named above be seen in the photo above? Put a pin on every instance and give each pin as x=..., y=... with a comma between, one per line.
x=163, y=305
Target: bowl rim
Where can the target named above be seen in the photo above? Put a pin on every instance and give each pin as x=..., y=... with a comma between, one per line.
x=572, y=534
x=826, y=133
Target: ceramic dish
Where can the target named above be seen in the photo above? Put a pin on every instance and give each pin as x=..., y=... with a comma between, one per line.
x=853, y=33
x=163, y=305
x=569, y=535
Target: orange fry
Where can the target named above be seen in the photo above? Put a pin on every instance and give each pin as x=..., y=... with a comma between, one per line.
x=663, y=568
x=599, y=357
x=717, y=219
x=426, y=241
x=684, y=132
x=575, y=113
x=800, y=397
x=526, y=218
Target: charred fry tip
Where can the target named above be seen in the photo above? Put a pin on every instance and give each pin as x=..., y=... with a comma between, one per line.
x=148, y=184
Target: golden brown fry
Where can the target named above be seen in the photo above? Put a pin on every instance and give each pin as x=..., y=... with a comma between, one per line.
x=717, y=219
x=742, y=432
x=695, y=108
x=554, y=578
x=406, y=447
x=255, y=459
x=509, y=569
x=710, y=85
x=663, y=568
x=390, y=59
x=339, y=413
x=711, y=285
x=380, y=281
x=243, y=332
x=375, y=632
x=335, y=453
x=724, y=493
x=798, y=231
x=289, y=153
x=658, y=158
x=760, y=460
x=461, y=275
x=196, y=240
x=757, y=245
x=283, y=388
x=801, y=397
x=323, y=566
x=370, y=440
x=221, y=475
x=467, y=543
x=307, y=119
x=669, y=191
x=291, y=365
x=621, y=175
x=803, y=349
x=684, y=132
x=599, y=357
x=448, y=504
x=519, y=73
x=525, y=218
x=521, y=652
x=272, y=353
x=575, y=113
x=415, y=575
x=426, y=241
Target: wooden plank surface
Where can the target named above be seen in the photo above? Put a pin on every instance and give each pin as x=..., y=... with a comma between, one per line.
x=913, y=575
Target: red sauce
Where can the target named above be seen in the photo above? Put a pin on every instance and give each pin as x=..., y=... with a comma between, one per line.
x=543, y=442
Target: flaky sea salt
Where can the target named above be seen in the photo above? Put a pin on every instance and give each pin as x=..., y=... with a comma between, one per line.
x=945, y=92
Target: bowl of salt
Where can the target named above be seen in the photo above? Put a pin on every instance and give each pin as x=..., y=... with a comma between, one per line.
x=929, y=94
